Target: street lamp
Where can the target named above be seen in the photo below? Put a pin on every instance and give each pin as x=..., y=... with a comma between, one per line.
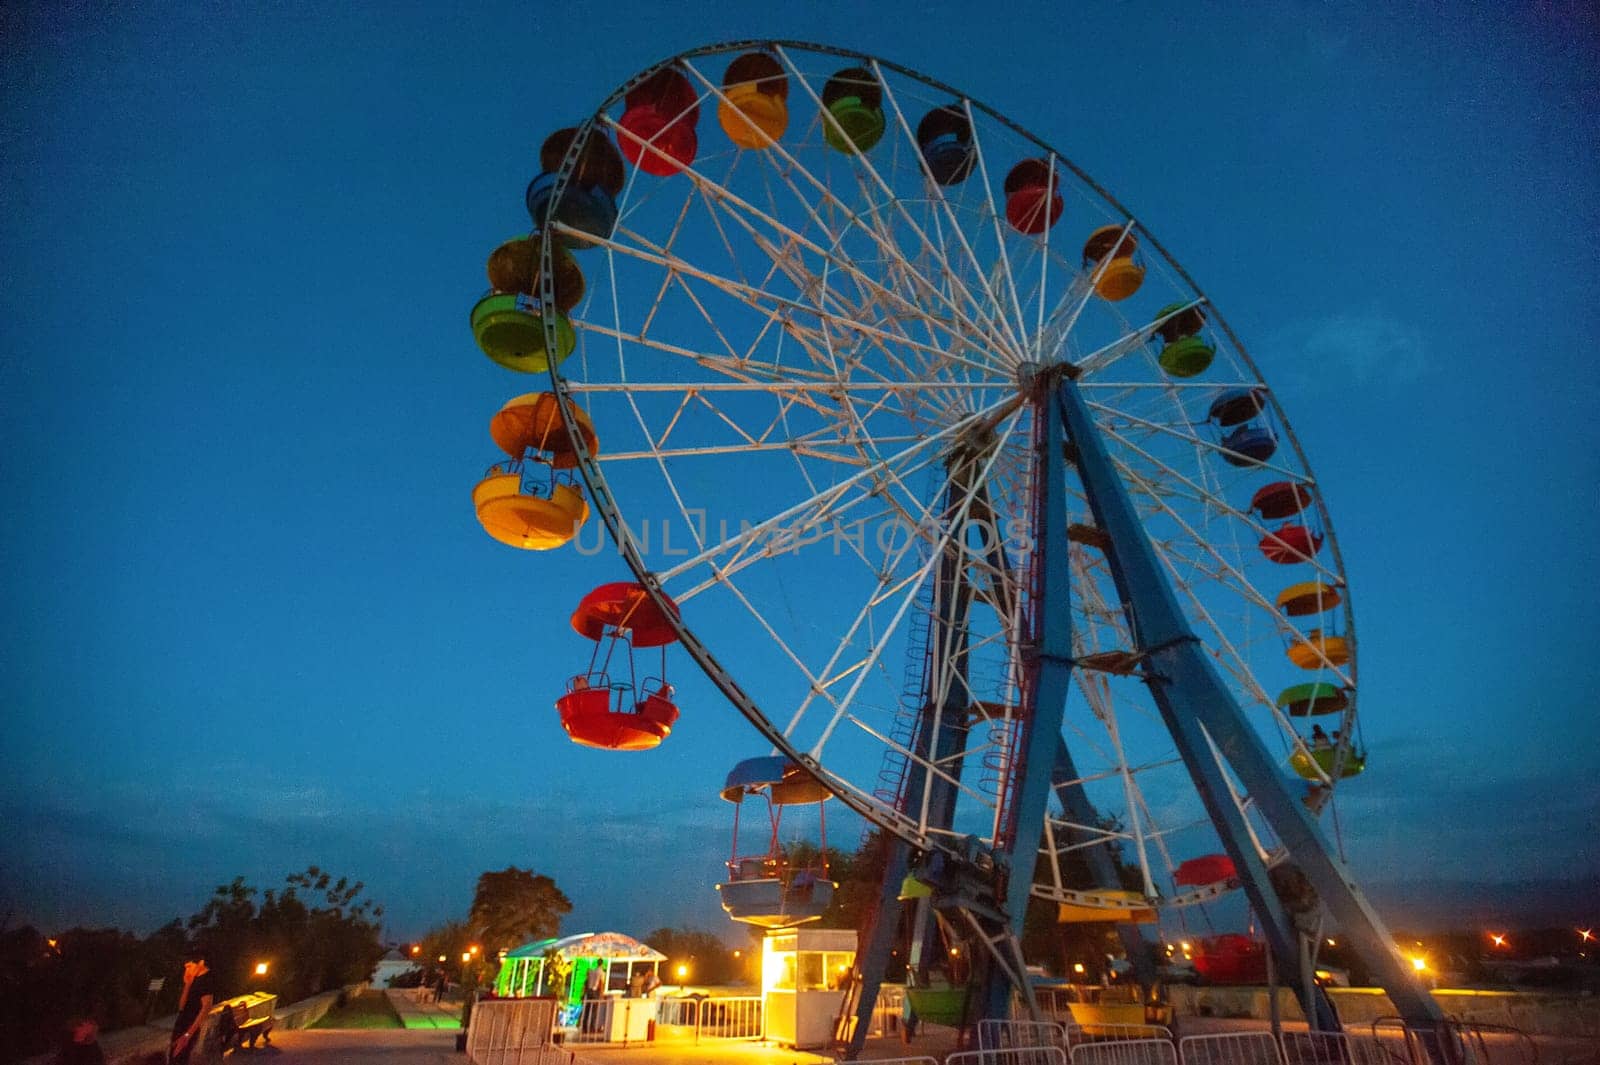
x=261, y=968
x=1499, y=938
x=1419, y=963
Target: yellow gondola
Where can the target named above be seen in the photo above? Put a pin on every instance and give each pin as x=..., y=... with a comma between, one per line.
x=1315, y=651
x=1307, y=765
x=1308, y=597
x=755, y=111
x=530, y=522
x=1130, y=909
x=1121, y=277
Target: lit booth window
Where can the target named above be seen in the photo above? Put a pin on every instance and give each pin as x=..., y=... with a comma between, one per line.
x=803, y=974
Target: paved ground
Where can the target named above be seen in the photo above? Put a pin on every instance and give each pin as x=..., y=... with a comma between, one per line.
x=424, y=1015
x=433, y=1047
x=354, y=1046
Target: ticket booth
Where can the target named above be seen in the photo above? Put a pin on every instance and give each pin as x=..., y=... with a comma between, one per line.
x=803, y=974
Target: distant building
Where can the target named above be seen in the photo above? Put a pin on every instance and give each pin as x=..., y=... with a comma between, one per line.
x=391, y=965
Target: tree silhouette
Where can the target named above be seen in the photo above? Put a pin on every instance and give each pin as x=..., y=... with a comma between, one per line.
x=514, y=906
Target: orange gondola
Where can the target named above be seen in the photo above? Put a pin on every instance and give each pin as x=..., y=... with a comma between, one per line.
x=1315, y=650
x=532, y=422
x=754, y=111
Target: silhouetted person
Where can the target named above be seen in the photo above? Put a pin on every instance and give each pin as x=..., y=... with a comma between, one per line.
x=1319, y=739
x=194, y=1005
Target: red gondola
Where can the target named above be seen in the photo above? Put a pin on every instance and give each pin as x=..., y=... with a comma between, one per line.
x=1231, y=959
x=657, y=130
x=1280, y=499
x=1033, y=196
x=1289, y=544
x=622, y=714
x=1204, y=870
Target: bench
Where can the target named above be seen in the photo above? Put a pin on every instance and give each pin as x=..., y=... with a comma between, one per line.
x=244, y=1020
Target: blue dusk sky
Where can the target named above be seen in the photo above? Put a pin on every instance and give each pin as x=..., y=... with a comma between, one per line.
x=250, y=621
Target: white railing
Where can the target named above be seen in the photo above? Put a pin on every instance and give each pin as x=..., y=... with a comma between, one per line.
x=1338, y=1048
x=511, y=1032
x=731, y=1017
x=633, y=1020
x=1040, y=1055
x=1126, y=1052
x=1233, y=1048
x=996, y=1034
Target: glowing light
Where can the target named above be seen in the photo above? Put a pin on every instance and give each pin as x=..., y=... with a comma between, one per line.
x=683, y=970
x=1499, y=939
x=415, y=949
x=1077, y=967
x=1184, y=944
x=466, y=956
x=474, y=948
x=261, y=968
x=1419, y=963
x=442, y=958
x=1331, y=943
x=1586, y=935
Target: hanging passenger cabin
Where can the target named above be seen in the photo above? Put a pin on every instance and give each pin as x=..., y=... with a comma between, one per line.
x=1316, y=697
x=1290, y=543
x=754, y=110
x=1110, y=252
x=853, y=104
x=1246, y=443
x=509, y=323
x=588, y=204
x=620, y=714
x=765, y=889
x=657, y=128
x=512, y=504
x=1280, y=499
x=1318, y=763
x=1183, y=353
x=1315, y=650
x=944, y=137
x=1033, y=196
x=1206, y=870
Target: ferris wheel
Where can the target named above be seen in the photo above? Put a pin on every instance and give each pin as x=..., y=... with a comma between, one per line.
x=946, y=473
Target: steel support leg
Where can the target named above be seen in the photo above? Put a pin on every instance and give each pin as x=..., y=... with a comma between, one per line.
x=1196, y=703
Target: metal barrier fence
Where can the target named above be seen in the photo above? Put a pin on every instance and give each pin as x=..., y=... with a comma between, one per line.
x=1125, y=1052
x=1102, y=1033
x=1233, y=1048
x=512, y=1032
x=635, y=1020
x=1454, y=1042
x=1340, y=1048
x=996, y=1034
x=731, y=1017
x=1040, y=1055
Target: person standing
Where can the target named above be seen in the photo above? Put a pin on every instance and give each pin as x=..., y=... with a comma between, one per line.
x=194, y=1006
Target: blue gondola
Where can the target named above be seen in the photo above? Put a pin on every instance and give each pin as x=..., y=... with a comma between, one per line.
x=766, y=889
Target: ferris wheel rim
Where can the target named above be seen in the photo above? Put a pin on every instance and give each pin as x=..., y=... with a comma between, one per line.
x=606, y=504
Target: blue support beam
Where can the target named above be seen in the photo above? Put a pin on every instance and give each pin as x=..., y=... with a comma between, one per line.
x=1048, y=664
x=1195, y=703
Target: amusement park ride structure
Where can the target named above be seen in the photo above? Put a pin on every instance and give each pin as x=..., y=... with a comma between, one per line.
x=839, y=316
